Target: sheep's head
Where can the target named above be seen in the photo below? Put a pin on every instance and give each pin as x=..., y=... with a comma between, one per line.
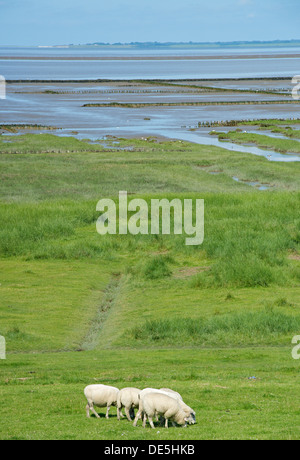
x=191, y=419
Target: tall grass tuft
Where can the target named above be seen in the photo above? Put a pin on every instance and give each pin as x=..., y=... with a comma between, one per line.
x=257, y=327
x=154, y=268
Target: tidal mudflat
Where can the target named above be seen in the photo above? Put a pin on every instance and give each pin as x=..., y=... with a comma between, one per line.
x=149, y=108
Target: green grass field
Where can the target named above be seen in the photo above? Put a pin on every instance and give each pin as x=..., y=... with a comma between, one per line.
x=214, y=322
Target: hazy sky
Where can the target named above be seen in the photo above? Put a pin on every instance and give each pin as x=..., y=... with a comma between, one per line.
x=44, y=22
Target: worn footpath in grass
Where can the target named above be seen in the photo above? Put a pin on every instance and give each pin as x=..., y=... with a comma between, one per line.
x=50, y=306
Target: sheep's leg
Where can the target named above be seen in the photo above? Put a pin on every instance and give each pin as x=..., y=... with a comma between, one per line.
x=128, y=414
x=145, y=420
x=138, y=415
x=107, y=410
x=119, y=413
x=87, y=408
x=91, y=407
x=151, y=422
x=166, y=423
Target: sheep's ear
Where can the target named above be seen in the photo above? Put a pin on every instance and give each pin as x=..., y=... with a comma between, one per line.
x=185, y=419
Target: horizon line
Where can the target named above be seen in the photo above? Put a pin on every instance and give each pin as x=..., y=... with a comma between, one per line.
x=159, y=43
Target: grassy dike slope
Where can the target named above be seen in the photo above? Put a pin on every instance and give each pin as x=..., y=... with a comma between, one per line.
x=77, y=308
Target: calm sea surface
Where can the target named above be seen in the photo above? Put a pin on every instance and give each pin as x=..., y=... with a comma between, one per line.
x=217, y=65
x=98, y=52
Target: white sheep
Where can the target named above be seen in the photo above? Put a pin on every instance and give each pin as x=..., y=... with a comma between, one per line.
x=128, y=398
x=100, y=396
x=185, y=407
x=171, y=393
x=168, y=407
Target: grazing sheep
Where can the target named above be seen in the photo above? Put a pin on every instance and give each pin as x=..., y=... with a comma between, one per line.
x=100, y=396
x=188, y=410
x=168, y=407
x=128, y=398
x=173, y=394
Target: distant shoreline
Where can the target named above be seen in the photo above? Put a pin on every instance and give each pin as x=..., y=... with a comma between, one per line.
x=149, y=58
x=183, y=45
